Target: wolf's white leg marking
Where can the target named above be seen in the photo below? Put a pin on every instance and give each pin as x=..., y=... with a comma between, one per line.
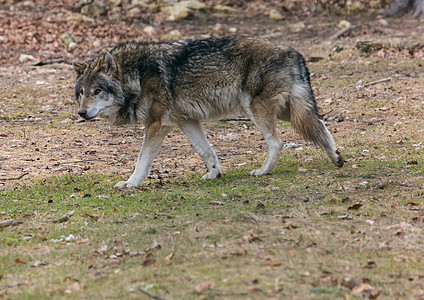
x=153, y=138
x=196, y=134
x=275, y=144
x=265, y=118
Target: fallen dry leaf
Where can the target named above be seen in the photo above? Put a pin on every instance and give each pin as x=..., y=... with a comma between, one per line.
x=363, y=287
x=73, y=287
x=418, y=220
x=148, y=261
x=355, y=206
x=39, y=263
x=402, y=257
x=169, y=256
x=204, y=286
x=349, y=283
x=273, y=265
x=19, y=261
x=369, y=265
x=83, y=241
x=102, y=249
x=64, y=218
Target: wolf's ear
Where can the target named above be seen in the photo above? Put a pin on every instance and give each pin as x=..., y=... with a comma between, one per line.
x=107, y=64
x=80, y=67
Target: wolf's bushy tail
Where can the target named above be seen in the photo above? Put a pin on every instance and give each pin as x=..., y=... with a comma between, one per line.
x=306, y=121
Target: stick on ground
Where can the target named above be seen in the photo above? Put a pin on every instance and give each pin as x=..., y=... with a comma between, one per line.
x=9, y=223
x=14, y=178
x=153, y=296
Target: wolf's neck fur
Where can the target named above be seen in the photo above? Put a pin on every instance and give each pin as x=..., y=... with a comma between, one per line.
x=130, y=85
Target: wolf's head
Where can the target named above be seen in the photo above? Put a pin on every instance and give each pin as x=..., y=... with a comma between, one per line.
x=98, y=89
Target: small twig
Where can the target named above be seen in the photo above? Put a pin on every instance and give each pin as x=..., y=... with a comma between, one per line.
x=324, y=114
x=153, y=296
x=9, y=223
x=64, y=218
x=14, y=178
x=343, y=32
x=378, y=81
x=78, y=161
x=52, y=61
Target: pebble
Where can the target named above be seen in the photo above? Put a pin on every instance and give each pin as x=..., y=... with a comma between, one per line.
x=25, y=57
x=343, y=24
x=275, y=15
x=72, y=46
x=150, y=30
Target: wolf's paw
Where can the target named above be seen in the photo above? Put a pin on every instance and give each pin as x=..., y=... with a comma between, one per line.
x=125, y=185
x=211, y=175
x=257, y=172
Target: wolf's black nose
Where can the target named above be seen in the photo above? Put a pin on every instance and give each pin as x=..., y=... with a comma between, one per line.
x=83, y=113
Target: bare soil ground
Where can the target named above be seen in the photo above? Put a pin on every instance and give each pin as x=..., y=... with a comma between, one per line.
x=42, y=136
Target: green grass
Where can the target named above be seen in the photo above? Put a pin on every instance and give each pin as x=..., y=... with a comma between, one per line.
x=281, y=234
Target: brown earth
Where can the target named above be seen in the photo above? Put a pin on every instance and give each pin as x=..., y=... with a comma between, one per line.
x=41, y=135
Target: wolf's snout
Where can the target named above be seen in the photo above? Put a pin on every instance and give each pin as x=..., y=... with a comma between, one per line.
x=83, y=113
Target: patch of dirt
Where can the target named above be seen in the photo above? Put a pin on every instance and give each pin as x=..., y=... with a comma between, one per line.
x=41, y=135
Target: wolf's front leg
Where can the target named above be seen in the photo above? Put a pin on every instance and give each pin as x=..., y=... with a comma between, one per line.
x=153, y=138
x=196, y=134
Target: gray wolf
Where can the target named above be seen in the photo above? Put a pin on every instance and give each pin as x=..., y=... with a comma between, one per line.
x=163, y=85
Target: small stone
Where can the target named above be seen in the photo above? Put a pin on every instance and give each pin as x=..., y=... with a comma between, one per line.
x=150, y=30
x=357, y=7
x=379, y=185
x=328, y=101
x=343, y=24
x=97, y=43
x=134, y=12
x=173, y=35
x=139, y=3
x=298, y=26
x=23, y=58
x=47, y=108
x=67, y=38
x=116, y=2
x=375, y=3
x=183, y=9
x=370, y=222
x=383, y=22
x=232, y=29
x=275, y=15
x=94, y=9
x=290, y=145
x=349, y=283
x=225, y=9
x=72, y=46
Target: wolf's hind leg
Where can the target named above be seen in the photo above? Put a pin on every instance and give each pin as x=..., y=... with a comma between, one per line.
x=196, y=134
x=263, y=115
x=153, y=138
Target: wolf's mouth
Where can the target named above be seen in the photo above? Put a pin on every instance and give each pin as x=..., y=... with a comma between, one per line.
x=84, y=114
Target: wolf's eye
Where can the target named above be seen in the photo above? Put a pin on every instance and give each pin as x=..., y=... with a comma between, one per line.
x=97, y=91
